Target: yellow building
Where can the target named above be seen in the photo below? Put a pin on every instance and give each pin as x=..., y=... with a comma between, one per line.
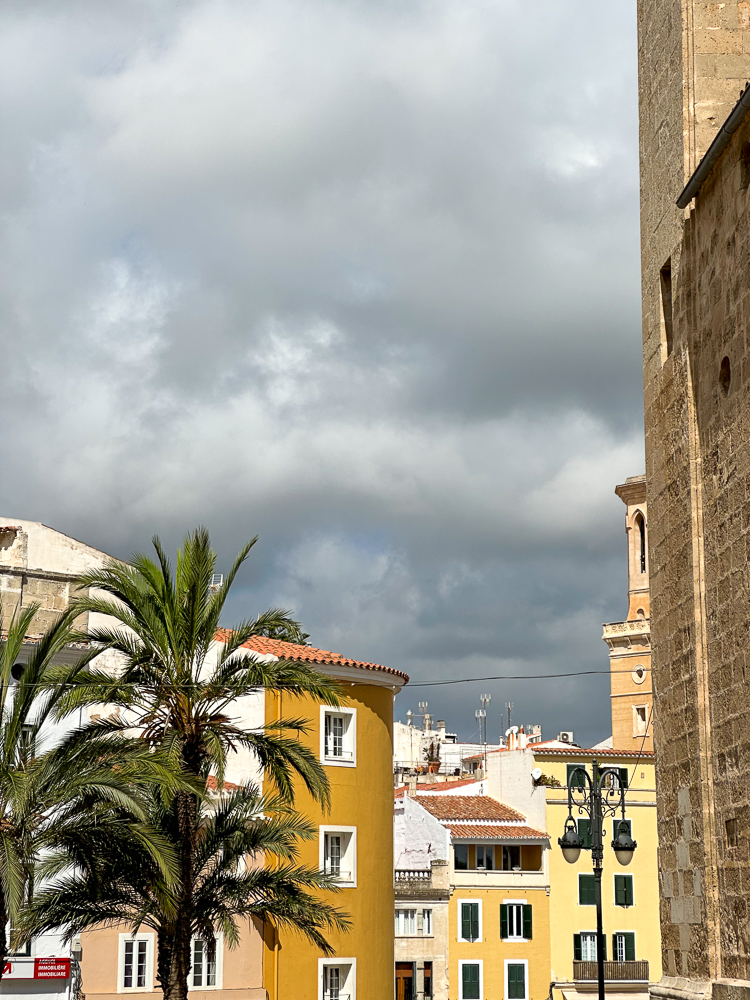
x=534, y=779
x=498, y=942
x=629, y=642
x=354, y=843
x=355, y=837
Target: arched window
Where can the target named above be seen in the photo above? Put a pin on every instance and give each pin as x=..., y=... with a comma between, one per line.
x=641, y=526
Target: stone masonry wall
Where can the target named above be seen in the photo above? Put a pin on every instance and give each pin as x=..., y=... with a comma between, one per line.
x=694, y=57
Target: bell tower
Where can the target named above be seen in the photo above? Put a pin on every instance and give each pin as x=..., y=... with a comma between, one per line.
x=629, y=641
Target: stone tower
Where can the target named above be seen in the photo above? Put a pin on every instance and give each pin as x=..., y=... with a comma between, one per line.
x=629, y=642
x=694, y=59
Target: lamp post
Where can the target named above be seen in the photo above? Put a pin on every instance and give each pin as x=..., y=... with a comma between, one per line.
x=596, y=797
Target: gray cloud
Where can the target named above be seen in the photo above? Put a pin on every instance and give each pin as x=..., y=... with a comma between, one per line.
x=359, y=276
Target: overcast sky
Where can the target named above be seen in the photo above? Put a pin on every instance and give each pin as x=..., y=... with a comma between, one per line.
x=358, y=276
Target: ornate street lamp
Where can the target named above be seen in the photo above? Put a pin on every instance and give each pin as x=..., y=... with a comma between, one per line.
x=597, y=797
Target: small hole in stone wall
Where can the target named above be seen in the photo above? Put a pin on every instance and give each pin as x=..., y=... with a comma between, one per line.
x=725, y=376
x=732, y=833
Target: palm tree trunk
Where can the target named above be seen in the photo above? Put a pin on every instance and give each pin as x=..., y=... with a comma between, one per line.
x=179, y=971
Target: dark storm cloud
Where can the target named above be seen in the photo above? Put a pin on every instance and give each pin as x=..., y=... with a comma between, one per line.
x=358, y=276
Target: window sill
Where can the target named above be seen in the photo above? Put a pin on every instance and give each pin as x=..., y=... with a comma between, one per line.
x=516, y=940
x=337, y=762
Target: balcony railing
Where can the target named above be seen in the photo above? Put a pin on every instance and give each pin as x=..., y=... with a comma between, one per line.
x=412, y=875
x=622, y=972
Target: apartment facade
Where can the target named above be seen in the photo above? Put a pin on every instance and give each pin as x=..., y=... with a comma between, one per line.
x=497, y=925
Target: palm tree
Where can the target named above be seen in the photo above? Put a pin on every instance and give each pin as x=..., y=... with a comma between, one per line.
x=182, y=698
x=82, y=783
x=242, y=824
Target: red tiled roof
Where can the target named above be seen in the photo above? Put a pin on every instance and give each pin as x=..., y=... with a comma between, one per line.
x=458, y=807
x=426, y=787
x=486, y=831
x=306, y=654
x=212, y=786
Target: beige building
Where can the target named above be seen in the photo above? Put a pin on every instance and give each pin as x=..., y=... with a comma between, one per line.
x=694, y=61
x=629, y=641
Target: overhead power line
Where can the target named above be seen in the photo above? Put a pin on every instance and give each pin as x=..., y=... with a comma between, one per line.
x=519, y=677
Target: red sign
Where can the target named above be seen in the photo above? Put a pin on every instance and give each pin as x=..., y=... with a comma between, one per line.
x=51, y=968
x=36, y=968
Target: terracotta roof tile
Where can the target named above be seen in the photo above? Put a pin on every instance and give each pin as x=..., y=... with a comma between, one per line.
x=307, y=654
x=486, y=831
x=458, y=807
x=212, y=786
x=436, y=787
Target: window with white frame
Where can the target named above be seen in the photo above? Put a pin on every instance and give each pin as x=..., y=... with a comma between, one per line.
x=337, y=979
x=584, y=946
x=427, y=923
x=338, y=853
x=515, y=920
x=469, y=920
x=406, y=923
x=470, y=986
x=136, y=961
x=338, y=736
x=516, y=979
x=205, y=970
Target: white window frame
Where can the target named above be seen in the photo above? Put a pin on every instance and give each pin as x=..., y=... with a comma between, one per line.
x=470, y=961
x=516, y=961
x=634, y=945
x=460, y=902
x=350, y=737
x=517, y=902
x=430, y=919
x=219, y=945
x=149, y=986
x=336, y=962
x=596, y=945
x=409, y=909
x=351, y=850
x=637, y=731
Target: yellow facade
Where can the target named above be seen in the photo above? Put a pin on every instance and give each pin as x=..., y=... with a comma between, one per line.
x=567, y=916
x=362, y=802
x=491, y=950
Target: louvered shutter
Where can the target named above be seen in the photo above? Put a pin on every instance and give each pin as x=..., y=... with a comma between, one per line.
x=630, y=947
x=623, y=777
x=584, y=832
x=474, y=921
x=527, y=921
x=587, y=890
x=466, y=922
x=503, y=920
x=470, y=982
x=577, y=948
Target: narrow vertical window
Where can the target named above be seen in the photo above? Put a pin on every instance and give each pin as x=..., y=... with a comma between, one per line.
x=641, y=541
x=665, y=285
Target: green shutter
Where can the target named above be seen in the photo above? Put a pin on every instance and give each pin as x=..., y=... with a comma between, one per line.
x=577, y=948
x=503, y=920
x=584, y=832
x=604, y=947
x=470, y=921
x=630, y=947
x=470, y=982
x=587, y=890
x=623, y=777
x=578, y=780
x=623, y=890
x=474, y=921
x=527, y=921
x=516, y=982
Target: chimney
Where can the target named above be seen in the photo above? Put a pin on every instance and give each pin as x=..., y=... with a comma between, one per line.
x=522, y=739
